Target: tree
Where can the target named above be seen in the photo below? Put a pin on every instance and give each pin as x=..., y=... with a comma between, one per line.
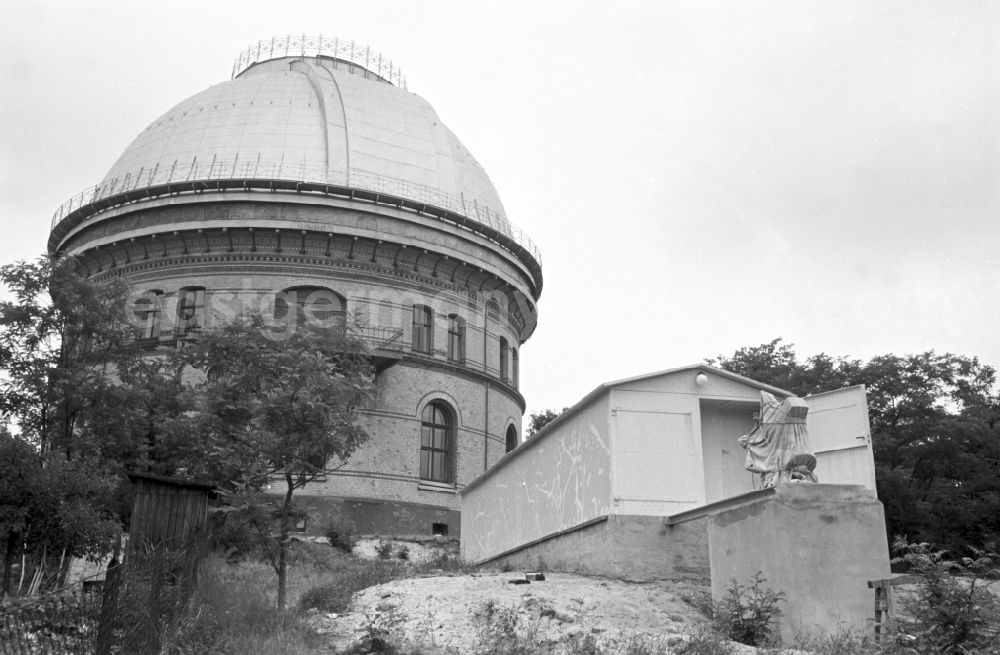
x=540, y=419
x=19, y=463
x=240, y=406
x=776, y=364
x=275, y=405
x=85, y=405
x=61, y=338
x=935, y=421
x=51, y=505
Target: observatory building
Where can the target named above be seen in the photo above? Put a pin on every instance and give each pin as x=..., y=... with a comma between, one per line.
x=313, y=179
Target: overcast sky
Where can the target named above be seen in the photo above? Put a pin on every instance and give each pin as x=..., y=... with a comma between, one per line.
x=700, y=176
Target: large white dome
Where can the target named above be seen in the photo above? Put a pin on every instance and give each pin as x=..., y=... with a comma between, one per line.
x=318, y=120
x=313, y=119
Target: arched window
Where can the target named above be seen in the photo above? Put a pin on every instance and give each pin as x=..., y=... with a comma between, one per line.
x=515, y=374
x=503, y=359
x=423, y=329
x=314, y=306
x=437, y=443
x=190, y=310
x=511, y=438
x=456, y=338
x=147, y=308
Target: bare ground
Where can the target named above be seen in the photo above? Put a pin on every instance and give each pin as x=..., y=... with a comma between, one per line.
x=447, y=613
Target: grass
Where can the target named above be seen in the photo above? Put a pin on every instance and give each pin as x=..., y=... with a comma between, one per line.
x=335, y=579
x=234, y=611
x=332, y=590
x=505, y=630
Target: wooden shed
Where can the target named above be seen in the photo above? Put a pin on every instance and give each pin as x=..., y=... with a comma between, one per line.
x=167, y=512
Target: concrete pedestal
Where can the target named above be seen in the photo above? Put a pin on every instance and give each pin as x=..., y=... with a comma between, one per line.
x=817, y=543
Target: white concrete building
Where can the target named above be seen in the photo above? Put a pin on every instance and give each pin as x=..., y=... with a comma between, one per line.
x=638, y=452
x=645, y=479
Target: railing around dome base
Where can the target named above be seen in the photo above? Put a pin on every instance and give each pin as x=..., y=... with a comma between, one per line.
x=302, y=46
x=257, y=174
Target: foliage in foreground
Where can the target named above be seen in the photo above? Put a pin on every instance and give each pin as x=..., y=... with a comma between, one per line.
x=61, y=339
x=955, y=610
x=347, y=576
x=240, y=406
x=231, y=612
x=275, y=404
x=50, y=505
x=338, y=577
x=747, y=613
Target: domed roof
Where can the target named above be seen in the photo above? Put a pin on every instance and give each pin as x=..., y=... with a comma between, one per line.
x=316, y=119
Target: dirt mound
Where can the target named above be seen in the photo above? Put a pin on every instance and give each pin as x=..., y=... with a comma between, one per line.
x=449, y=613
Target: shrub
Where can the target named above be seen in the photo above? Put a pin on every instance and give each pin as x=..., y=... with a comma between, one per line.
x=701, y=600
x=341, y=535
x=746, y=613
x=954, y=611
x=383, y=628
x=403, y=552
x=501, y=632
x=383, y=549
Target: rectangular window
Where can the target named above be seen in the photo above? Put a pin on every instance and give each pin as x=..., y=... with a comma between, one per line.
x=423, y=327
x=503, y=359
x=456, y=338
x=435, y=460
x=514, y=373
x=190, y=310
x=147, y=315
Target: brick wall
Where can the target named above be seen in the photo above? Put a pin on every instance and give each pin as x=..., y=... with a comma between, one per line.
x=388, y=465
x=381, y=280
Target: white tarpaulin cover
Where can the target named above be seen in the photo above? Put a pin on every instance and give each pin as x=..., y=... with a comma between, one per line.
x=778, y=447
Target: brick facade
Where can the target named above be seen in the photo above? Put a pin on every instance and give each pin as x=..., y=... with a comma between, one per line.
x=247, y=232
x=382, y=478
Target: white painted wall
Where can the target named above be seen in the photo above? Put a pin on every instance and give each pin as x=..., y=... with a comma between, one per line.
x=659, y=455
x=841, y=437
x=648, y=447
x=722, y=424
x=555, y=481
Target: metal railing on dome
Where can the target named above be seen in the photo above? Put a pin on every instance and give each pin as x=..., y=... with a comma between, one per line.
x=311, y=46
x=158, y=180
